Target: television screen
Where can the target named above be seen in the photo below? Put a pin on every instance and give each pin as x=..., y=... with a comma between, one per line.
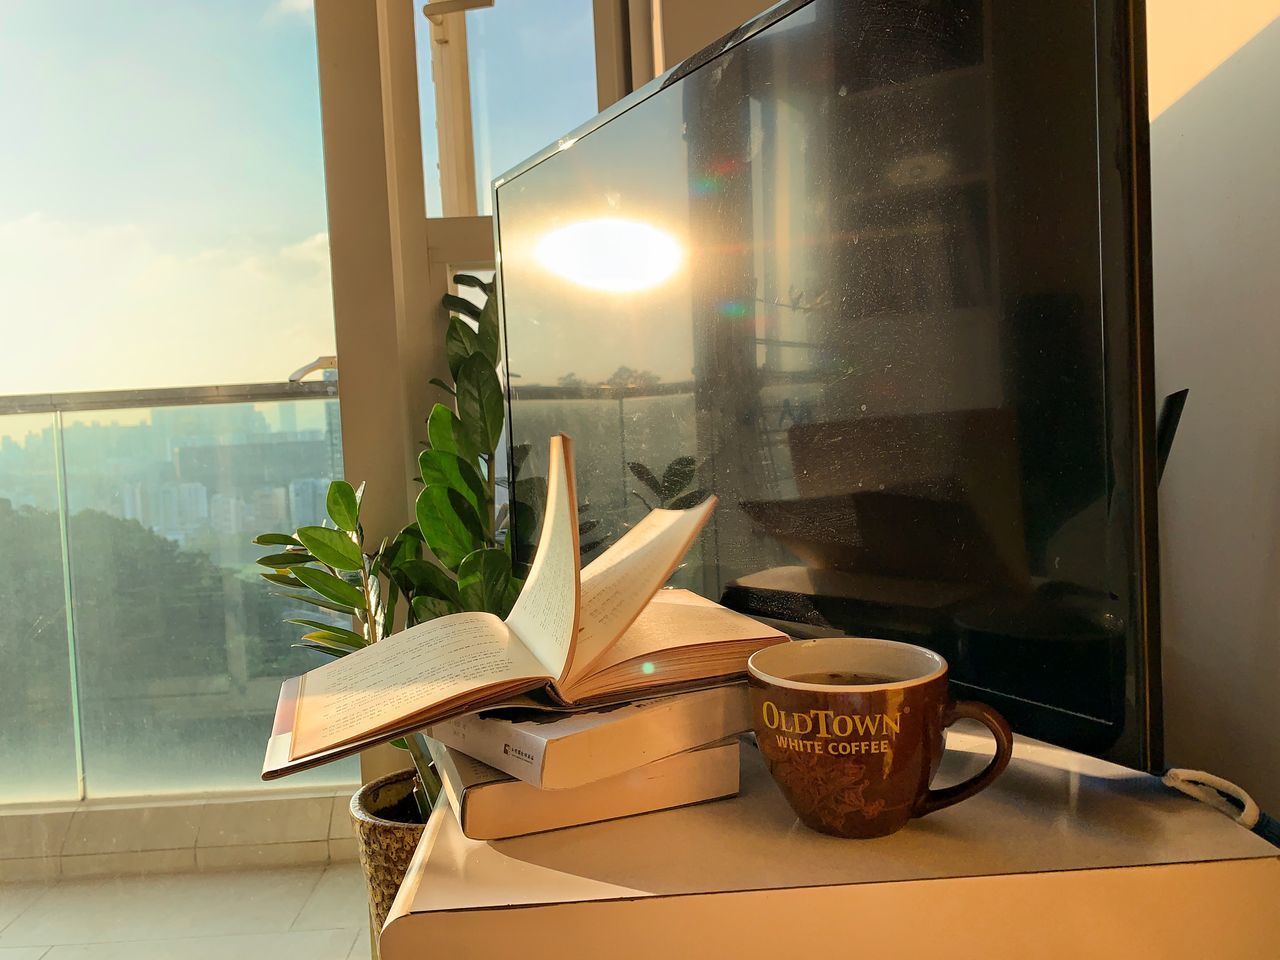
x=867, y=271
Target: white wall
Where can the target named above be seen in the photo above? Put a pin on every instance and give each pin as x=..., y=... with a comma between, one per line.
x=1215, y=157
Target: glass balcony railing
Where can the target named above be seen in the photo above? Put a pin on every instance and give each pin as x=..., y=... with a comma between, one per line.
x=141, y=654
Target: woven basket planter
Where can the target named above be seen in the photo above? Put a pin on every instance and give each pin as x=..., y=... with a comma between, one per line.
x=386, y=844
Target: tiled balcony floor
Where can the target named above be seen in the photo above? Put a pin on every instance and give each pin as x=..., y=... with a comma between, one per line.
x=295, y=913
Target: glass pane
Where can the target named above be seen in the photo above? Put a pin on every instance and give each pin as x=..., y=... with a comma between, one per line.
x=35, y=701
x=533, y=79
x=161, y=195
x=180, y=644
x=427, y=112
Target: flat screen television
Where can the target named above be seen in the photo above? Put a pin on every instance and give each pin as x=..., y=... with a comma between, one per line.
x=876, y=273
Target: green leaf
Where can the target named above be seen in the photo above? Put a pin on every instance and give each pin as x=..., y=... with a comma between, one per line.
x=334, y=652
x=332, y=547
x=514, y=586
x=410, y=533
x=677, y=476
x=482, y=580
x=275, y=540
x=449, y=469
x=470, y=280
x=353, y=639
x=690, y=499
x=343, y=507
x=283, y=579
x=459, y=344
x=449, y=523
x=461, y=305
x=283, y=561
x=330, y=639
x=430, y=580
x=400, y=743
x=389, y=607
x=330, y=587
x=645, y=476
x=377, y=610
x=447, y=387
x=445, y=432
x=320, y=602
x=429, y=608
x=487, y=341
x=481, y=406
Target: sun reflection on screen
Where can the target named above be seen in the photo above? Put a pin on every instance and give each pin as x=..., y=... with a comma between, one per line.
x=610, y=254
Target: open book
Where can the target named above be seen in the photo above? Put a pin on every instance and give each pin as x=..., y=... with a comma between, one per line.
x=584, y=636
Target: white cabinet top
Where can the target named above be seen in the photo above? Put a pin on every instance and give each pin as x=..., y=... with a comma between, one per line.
x=1052, y=810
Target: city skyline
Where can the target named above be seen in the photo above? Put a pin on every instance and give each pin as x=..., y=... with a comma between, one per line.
x=207, y=478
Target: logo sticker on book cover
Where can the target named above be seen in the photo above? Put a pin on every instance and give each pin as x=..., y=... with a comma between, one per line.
x=516, y=752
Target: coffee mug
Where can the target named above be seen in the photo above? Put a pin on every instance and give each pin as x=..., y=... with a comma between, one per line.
x=853, y=730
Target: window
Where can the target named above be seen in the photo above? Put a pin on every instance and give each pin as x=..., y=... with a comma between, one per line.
x=551, y=40
x=162, y=236
x=532, y=75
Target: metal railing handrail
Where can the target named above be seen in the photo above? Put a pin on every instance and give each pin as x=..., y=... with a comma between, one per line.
x=166, y=397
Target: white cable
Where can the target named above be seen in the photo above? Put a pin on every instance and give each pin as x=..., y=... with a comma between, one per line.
x=1212, y=790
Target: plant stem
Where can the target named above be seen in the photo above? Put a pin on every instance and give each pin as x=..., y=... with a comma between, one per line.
x=427, y=785
x=370, y=613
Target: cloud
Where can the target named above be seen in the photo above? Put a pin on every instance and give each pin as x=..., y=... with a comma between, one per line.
x=101, y=307
x=286, y=8
x=314, y=251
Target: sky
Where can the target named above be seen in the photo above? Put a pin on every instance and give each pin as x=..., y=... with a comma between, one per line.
x=162, y=216
x=532, y=70
x=162, y=210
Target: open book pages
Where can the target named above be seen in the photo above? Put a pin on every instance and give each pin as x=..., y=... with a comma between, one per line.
x=442, y=667
x=434, y=669
x=568, y=634
x=678, y=638
x=632, y=569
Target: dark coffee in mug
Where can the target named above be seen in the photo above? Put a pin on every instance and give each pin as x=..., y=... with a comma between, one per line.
x=843, y=678
x=852, y=730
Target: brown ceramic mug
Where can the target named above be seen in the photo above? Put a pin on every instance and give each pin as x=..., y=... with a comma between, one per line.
x=852, y=729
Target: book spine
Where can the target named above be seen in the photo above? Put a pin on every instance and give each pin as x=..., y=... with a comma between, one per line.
x=502, y=808
x=500, y=745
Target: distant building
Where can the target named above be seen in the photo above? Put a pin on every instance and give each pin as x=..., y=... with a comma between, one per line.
x=193, y=503
x=307, y=502
x=132, y=503
x=270, y=508
x=228, y=514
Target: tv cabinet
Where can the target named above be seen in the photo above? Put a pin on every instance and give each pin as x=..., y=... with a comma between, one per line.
x=1065, y=856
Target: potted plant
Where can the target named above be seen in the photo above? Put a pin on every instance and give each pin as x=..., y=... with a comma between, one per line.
x=454, y=555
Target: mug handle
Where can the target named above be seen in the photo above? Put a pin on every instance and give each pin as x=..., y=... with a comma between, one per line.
x=988, y=717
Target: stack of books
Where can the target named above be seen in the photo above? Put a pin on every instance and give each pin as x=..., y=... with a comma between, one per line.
x=508, y=773
x=639, y=688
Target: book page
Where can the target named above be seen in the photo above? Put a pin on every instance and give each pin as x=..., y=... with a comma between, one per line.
x=677, y=619
x=621, y=581
x=545, y=616
x=406, y=675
